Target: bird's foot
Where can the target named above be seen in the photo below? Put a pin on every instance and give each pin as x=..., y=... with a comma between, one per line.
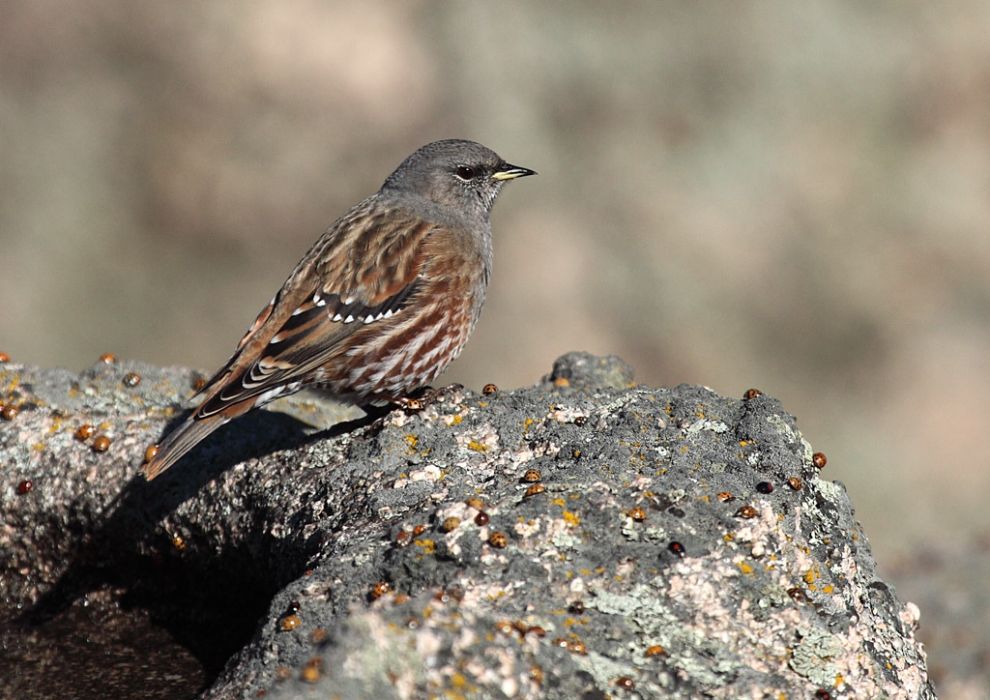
x=421, y=398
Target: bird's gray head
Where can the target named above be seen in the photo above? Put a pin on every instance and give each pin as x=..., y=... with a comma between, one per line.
x=455, y=173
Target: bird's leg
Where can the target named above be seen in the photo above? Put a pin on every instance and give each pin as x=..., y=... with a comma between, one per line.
x=424, y=396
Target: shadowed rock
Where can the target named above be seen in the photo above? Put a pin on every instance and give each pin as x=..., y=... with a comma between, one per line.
x=582, y=537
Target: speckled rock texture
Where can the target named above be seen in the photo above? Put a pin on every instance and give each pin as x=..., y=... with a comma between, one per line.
x=582, y=538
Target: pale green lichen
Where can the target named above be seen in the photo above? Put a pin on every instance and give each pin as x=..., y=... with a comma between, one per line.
x=831, y=490
x=812, y=657
x=715, y=426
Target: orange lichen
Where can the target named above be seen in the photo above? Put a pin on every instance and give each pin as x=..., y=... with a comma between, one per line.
x=289, y=623
x=498, y=540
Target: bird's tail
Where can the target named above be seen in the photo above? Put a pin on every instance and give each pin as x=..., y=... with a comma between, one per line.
x=185, y=437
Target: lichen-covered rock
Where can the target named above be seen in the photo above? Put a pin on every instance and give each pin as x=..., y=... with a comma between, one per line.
x=580, y=538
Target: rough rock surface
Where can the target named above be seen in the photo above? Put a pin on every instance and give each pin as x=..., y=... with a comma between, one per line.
x=582, y=538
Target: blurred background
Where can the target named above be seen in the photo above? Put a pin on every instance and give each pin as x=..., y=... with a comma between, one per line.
x=789, y=196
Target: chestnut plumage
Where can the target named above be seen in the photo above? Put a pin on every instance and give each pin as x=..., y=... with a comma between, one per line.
x=379, y=306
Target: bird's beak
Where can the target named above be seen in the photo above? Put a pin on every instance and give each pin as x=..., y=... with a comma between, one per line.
x=511, y=172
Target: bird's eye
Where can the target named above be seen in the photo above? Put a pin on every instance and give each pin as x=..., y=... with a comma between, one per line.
x=466, y=172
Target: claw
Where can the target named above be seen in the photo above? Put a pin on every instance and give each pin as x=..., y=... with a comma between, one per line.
x=422, y=398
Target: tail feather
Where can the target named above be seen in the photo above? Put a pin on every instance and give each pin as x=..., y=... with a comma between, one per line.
x=180, y=441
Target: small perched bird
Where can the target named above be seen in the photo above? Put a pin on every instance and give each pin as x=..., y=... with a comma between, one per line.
x=378, y=307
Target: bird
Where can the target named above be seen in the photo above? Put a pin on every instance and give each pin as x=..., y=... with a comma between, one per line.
x=378, y=306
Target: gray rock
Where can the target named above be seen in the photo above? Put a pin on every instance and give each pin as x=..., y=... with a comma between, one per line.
x=581, y=538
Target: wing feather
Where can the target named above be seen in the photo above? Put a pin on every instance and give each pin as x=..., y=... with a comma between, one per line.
x=365, y=270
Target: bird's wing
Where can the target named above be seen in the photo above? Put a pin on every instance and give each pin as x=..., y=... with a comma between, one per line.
x=365, y=269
